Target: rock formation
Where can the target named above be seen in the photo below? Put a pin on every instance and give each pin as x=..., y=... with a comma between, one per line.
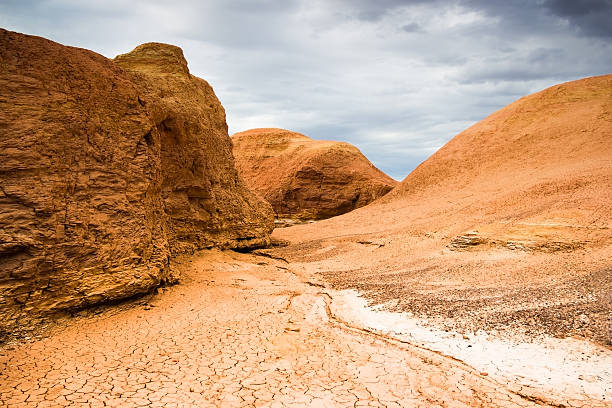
x=307, y=179
x=104, y=174
x=206, y=202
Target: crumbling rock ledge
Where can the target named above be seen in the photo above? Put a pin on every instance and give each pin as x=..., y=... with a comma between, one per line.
x=516, y=242
x=206, y=202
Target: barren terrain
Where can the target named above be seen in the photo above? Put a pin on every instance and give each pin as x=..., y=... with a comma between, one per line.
x=483, y=279
x=306, y=179
x=239, y=331
x=514, y=293
x=506, y=228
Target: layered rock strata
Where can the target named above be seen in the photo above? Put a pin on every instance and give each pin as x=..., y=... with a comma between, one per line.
x=104, y=174
x=205, y=200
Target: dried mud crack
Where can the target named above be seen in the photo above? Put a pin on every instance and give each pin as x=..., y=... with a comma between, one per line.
x=237, y=332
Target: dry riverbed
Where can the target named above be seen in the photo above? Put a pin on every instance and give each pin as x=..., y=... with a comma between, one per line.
x=244, y=330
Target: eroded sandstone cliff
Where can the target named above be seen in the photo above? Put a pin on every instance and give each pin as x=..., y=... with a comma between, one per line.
x=307, y=179
x=206, y=202
x=105, y=173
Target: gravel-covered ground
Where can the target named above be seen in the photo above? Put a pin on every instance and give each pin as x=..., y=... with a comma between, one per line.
x=522, y=294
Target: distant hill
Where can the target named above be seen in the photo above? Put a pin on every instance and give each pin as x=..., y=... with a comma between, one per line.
x=545, y=159
x=304, y=178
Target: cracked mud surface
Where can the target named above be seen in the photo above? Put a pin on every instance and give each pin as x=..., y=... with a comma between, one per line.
x=238, y=331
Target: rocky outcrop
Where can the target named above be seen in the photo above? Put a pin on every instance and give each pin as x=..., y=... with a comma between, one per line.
x=468, y=240
x=307, y=179
x=532, y=243
x=104, y=174
x=206, y=202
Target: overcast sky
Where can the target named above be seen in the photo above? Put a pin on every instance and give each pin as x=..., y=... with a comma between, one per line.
x=397, y=78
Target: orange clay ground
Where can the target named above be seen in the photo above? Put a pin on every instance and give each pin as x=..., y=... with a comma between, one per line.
x=490, y=265
x=239, y=331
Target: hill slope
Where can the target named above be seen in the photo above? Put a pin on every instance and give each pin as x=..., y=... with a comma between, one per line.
x=508, y=222
x=304, y=178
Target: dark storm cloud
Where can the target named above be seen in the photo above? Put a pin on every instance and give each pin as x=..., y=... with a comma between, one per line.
x=591, y=17
x=587, y=17
x=396, y=78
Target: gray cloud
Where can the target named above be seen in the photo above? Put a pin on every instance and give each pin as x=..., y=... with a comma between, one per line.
x=396, y=78
x=591, y=17
x=411, y=27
